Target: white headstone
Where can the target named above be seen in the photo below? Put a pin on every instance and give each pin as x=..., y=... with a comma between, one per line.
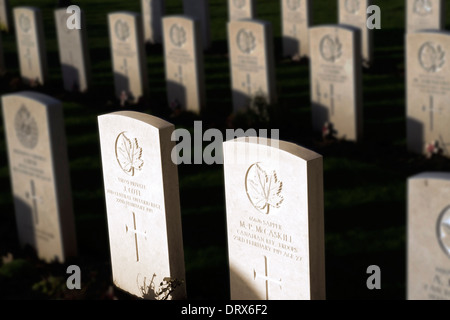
x=354, y=13
x=296, y=20
x=128, y=56
x=31, y=45
x=73, y=53
x=199, y=10
x=425, y=15
x=184, y=63
x=428, y=222
x=274, y=203
x=241, y=9
x=336, y=81
x=5, y=16
x=428, y=92
x=143, y=205
x=39, y=169
x=252, y=62
x=152, y=13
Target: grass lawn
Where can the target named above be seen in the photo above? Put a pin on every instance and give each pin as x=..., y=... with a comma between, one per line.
x=365, y=183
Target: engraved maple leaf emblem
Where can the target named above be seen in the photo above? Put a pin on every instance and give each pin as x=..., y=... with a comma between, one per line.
x=423, y=7
x=239, y=3
x=330, y=48
x=177, y=35
x=352, y=6
x=444, y=230
x=24, y=23
x=26, y=128
x=128, y=154
x=263, y=188
x=432, y=57
x=122, y=30
x=246, y=41
x=446, y=226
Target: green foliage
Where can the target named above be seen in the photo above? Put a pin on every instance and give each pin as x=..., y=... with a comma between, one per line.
x=15, y=268
x=258, y=114
x=167, y=287
x=51, y=286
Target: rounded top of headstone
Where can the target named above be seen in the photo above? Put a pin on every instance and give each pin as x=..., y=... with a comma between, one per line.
x=336, y=26
x=180, y=16
x=250, y=20
x=428, y=32
x=35, y=96
x=143, y=117
x=124, y=13
x=26, y=8
x=431, y=176
x=289, y=147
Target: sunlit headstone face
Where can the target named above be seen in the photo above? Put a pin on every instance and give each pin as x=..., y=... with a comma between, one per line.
x=39, y=171
x=428, y=236
x=425, y=15
x=336, y=85
x=142, y=203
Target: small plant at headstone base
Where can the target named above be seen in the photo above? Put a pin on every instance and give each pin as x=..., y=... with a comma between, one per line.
x=258, y=114
x=51, y=286
x=296, y=58
x=175, y=106
x=167, y=287
x=34, y=83
x=328, y=132
x=123, y=99
x=432, y=149
x=260, y=108
x=163, y=292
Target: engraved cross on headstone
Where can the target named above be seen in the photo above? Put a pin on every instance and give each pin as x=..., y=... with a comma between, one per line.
x=330, y=94
x=71, y=59
x=124, y=67
x=432, y=110
x=266, y=277
x=318, y=92
x=332, y=99
x=71, y=63
x=179, y=74
x=27, y=56
x=136, y=233
x=248, y=85
x=294, y=30
x=35, y=200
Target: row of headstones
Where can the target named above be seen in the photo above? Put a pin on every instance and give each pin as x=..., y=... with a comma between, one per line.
x=274, y=207
x=335, y=75
x=427, y=97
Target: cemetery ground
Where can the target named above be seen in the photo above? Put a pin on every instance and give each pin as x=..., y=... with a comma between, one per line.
x=364, y=183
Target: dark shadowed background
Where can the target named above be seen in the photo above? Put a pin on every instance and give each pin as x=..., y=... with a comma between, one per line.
x=365, y=183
